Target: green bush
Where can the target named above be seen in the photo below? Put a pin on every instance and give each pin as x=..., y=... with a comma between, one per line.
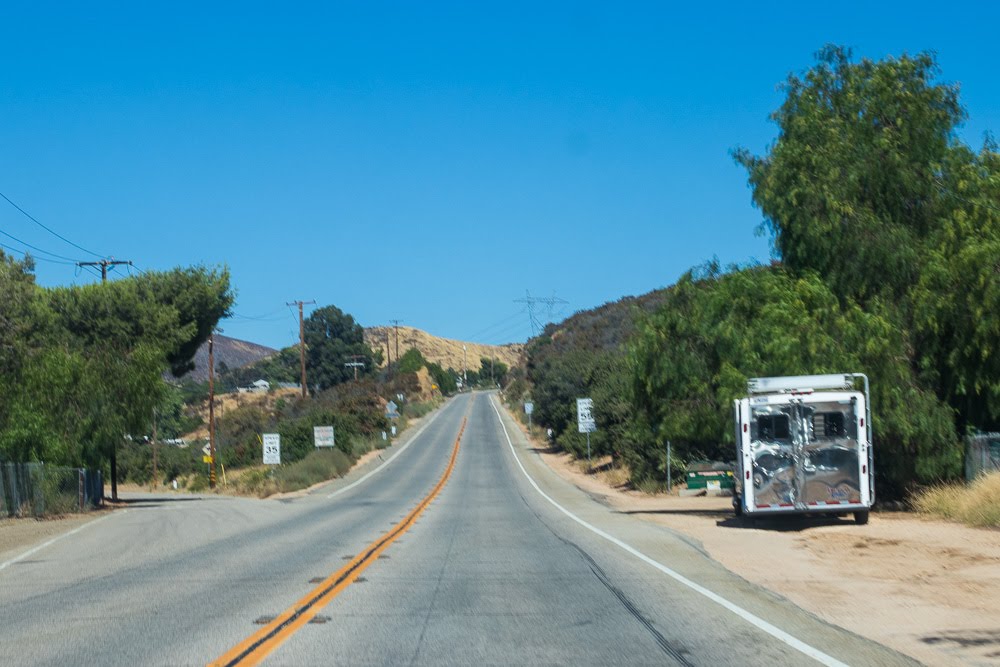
x=317, y=466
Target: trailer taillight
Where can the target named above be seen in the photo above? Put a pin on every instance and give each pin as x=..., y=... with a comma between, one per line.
x=862, y=422
x=745, y=428
x=864, y=470
x=748, y=474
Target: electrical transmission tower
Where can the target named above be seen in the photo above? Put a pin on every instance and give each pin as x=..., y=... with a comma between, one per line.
x=532, y=302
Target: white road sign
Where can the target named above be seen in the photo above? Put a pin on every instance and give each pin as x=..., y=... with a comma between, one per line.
x=585, y=415
x=323, y=436
x=272, y=449
x=529, y=408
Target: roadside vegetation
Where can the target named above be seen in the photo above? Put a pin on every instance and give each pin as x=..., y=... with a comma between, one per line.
x=83, y=366
x=885, y=229
x=977, y=504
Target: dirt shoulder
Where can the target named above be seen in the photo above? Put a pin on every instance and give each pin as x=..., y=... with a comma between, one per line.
x=19, y=535
x=927, y=588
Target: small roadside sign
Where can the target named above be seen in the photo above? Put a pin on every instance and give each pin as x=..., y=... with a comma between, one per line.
x=391, y=410
x=206, y=458
x=272, y=449
x=585, y=421
x=323, y=436
x=206, y=450
x=529, y=408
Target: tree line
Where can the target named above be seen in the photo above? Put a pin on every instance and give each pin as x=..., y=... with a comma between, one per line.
x=83, y=366
x=885, y=230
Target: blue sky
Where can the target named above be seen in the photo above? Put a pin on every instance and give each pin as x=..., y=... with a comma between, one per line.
x=422, y=161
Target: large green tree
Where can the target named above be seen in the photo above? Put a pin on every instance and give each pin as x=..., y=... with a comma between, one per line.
x=333, y=339
x=850, y=188
x=869, y=185
x=91, y=361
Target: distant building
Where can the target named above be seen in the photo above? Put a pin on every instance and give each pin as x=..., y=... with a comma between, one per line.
x=258, y=387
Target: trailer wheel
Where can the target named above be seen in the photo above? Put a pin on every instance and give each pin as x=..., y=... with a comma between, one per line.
x=861, y=518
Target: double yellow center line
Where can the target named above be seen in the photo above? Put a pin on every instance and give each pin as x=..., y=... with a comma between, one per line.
x=259, y=645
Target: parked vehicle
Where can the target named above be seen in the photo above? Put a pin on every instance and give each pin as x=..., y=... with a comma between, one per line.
x=804, y=446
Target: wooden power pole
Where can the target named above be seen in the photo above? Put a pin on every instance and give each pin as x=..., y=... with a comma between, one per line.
x=302, y=341
x=211, y=410
x=395, y=324
x=104, y=264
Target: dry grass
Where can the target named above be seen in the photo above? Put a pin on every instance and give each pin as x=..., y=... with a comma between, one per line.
x=977, y=504
x=444, y=351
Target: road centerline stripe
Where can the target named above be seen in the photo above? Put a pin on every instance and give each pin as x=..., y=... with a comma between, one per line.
x=748, y=616
x=260, y=644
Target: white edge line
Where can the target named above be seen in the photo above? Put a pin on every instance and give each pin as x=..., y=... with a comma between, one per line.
x=55, y=539
x=391, y=458
x=751, y=618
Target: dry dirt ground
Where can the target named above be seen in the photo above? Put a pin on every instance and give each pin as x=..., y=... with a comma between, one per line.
x=927, y=588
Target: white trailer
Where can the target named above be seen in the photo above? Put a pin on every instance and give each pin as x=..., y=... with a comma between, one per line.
x=804, y=446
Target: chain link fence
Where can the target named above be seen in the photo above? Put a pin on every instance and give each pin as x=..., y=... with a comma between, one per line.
x=36, y=489
x=982, y=455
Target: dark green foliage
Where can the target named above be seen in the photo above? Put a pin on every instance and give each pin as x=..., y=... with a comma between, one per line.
x=492, y=371
x=887, y=230
x=87, y=365
x=411, y=361
x=333, y=338
x=353, y=409
x=444, y=379
x=850, y=189
x=284, y=366
x=694, y=355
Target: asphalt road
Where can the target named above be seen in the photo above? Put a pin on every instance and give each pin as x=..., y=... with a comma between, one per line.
x=496, y=570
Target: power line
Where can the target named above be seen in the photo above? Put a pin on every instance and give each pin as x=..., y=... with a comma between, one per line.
x=493, y=326
x=533, y=301
x=42, y=259
x=36, y=248
x=49, y=230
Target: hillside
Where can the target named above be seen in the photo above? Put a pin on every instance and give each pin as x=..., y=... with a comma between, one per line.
x=232, y=352
x=443, y=351
x=605, y=327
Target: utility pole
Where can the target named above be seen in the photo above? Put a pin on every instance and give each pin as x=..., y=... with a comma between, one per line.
x=388, y=352
x=465, y=367
x=104, y=264
x=302, y=341
x=395, y=324
x=211, y=410
x=355, y=364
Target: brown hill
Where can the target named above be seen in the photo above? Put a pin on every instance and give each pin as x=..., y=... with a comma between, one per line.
x=232, y=352
x=443, y=351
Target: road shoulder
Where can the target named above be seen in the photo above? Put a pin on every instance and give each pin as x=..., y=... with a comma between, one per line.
x=928, y=589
